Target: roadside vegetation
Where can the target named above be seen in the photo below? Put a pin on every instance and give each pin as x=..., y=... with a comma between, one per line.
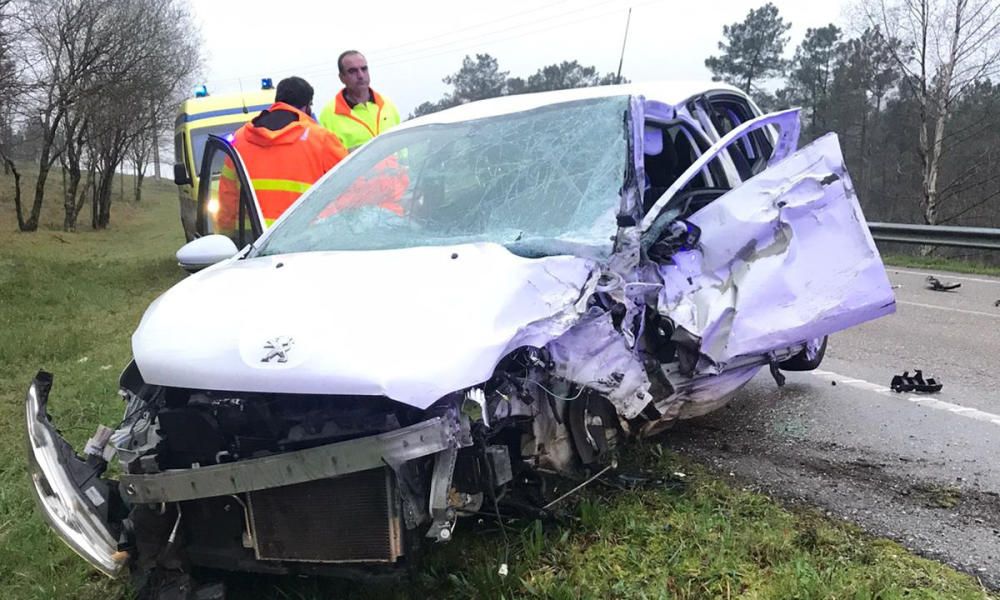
x=937, y=263
x=69, y=302
x=914, y=106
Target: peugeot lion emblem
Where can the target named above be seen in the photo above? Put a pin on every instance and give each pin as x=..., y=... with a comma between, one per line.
x=277, y=348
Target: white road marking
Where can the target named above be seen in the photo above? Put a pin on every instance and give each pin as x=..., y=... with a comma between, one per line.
x=995, y=315
x=950, y=276
x=925, y=401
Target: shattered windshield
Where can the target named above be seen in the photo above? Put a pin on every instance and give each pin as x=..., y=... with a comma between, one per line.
x=543, y=181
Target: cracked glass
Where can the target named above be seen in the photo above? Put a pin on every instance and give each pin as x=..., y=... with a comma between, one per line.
x=540, y=182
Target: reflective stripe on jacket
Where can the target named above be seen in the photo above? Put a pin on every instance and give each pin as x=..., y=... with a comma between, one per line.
x=283, y=162
x=355, y=126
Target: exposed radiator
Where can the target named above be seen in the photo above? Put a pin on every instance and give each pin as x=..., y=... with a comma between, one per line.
x=348, y=519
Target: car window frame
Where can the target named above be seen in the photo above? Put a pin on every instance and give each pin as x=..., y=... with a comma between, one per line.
x=697, y=108
x=249, y=204
x=787, y=123
x=717, y=173
x=734, y=105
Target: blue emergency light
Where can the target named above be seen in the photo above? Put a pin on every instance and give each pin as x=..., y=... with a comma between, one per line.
x=266, y=84
x=201, y=91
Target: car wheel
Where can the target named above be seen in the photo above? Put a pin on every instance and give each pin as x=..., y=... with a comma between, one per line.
x=593, y=426
x=800, y=362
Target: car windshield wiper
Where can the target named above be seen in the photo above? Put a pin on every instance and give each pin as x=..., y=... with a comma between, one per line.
x=249, y=251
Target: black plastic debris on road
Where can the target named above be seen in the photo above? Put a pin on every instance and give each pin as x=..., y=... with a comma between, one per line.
x=916, y=383
x=933, y=283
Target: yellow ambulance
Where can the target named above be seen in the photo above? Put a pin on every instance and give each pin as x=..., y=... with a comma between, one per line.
x=199, y=117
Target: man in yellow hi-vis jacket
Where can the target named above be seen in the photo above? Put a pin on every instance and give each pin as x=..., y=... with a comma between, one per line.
x=357, y=113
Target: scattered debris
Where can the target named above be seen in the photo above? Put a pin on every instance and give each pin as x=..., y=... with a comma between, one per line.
x=897, y=286
x=933, y=283
x=917, y=383
x=503, y=571
x=833, y=383
x=997, y=303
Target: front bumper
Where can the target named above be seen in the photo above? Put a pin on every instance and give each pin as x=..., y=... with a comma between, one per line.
x=83, y=508
x=332, y=460
x=71, y=498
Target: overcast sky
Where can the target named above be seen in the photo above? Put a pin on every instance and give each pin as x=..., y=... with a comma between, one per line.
x=410, y=46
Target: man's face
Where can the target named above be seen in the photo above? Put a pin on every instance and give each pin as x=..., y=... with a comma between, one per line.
x=355, y=74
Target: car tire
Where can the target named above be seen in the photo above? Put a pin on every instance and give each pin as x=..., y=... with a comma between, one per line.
x=800, y=362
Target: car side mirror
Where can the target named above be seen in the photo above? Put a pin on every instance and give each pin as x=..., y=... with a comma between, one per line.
x=181, y=175
x=205, y=252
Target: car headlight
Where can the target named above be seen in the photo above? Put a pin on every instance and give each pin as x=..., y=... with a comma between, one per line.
x=67, y=508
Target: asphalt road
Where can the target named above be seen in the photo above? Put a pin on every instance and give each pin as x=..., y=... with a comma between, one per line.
x=923, y=469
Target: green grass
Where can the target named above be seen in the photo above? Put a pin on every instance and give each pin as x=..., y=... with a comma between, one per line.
x=707, y=540
x=682, y=538
x=954, y=265
x=69, y=302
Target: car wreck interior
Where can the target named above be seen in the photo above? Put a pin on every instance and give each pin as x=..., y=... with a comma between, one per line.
x=669, y=149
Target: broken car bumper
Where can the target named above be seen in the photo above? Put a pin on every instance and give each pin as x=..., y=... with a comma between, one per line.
x=332, y=460
x=69, y=505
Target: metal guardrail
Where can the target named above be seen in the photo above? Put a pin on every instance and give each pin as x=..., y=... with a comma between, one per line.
x=983, y=238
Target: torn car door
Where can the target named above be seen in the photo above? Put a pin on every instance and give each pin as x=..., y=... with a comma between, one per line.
x=784, y=258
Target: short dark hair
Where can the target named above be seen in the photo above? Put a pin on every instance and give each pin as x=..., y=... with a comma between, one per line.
x=294, y=91
x=343, y=55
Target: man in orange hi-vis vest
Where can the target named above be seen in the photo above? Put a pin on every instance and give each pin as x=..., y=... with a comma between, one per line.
x=284, y=151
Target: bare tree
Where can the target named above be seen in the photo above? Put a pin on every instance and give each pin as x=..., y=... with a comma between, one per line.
x=74, y=140
x=161, y=60
x=948, y=45
x=140, y=153
x=9, y=80
x=92, y=66
x=11, y=167
x=67, y=45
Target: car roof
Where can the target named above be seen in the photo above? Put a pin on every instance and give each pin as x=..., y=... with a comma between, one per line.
x=669, y=92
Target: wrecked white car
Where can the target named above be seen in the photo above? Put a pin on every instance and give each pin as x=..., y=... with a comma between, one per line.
x=469, y=303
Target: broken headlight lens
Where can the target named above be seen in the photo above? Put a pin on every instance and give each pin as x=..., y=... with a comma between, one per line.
x=60, y=500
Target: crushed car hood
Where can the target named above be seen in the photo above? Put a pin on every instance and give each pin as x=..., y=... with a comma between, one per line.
x=412, y=324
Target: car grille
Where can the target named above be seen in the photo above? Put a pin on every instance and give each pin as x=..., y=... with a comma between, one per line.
x=352, y=518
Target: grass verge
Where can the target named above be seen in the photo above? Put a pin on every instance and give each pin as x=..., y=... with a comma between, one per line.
x=685, y=534
x=69, y=302
x=953, y=265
